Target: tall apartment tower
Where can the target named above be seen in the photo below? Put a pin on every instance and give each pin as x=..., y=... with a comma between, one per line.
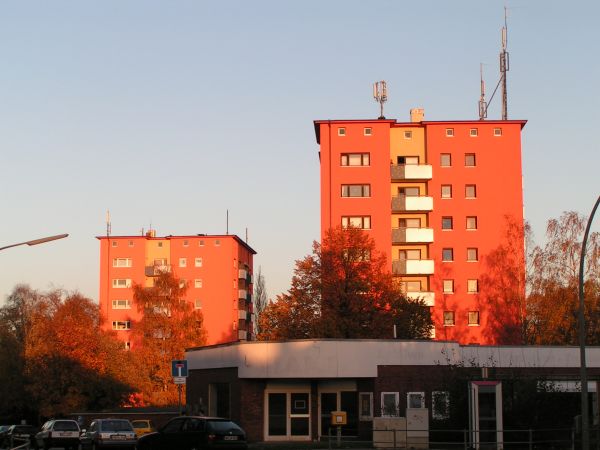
x=434, y=195
x=217, y=270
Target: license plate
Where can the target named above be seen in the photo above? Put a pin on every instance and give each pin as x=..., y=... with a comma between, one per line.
x=118, y=437
x=66, y=434
x=230, y=438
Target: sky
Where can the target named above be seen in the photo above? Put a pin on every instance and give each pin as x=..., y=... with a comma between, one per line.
x=171, y=113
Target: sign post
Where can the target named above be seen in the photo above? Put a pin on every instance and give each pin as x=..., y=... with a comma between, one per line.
x=179, y=371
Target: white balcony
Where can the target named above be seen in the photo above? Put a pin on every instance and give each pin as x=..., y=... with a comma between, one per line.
x=242, y=314
x=402, y=203
x=427, y=297
x=412, y=235
x=242, y=294
x=412, y=267
x=411, y=172
x=242, y=274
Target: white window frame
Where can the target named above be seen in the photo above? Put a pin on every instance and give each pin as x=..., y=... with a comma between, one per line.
x=410, y=395
x=407, y=134
x=451, y=254
x=198, y=261
x=341, y=131
x=198, y=283
x=130, y=244
x=467, y=223
x=114, y=243
x=396, y=402
x=474, y=186
x=126, y=325
x=201, y=243
x=365, y=222
x=121, y=304
x=474, y=250
x=453, y=318
x=467, y=156
x=497, y=132
x=472, y=286
x=116, y=283
x=368, y=131
x=346, y=158
x=450, y=283
x=442, y=191
x=449, y=155
x=449, y=132
x=473, y=132
x=197, y=303
x=122, y=262
x=369, y=416
x=473, y=324
x=186, y=243
x=182, y=262
x=347, y=190
x=443, y=398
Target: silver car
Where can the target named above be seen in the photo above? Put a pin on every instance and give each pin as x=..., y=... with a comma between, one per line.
x=109, y=433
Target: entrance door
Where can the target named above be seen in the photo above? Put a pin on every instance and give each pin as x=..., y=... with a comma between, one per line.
x=288, y=416
x=485, y=414
x=328, y=404
x=339, y=401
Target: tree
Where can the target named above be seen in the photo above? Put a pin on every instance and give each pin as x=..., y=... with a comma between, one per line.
x=344, y=290
x=168, y=326
x=261, y=299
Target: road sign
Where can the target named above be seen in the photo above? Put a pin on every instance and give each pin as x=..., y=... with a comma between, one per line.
x=179, y=368
x=179, y=380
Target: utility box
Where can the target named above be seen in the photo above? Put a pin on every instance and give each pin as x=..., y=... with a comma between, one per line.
x=339, y=418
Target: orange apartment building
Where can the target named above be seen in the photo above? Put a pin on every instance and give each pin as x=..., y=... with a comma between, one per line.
x=217, y=270
x=434, y=195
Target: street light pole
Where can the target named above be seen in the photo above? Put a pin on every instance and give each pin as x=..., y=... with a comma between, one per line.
x=37, y=241
x=585, y=437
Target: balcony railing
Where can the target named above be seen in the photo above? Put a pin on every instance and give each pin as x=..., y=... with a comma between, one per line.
x=427, y=297
x=411, y=172
x=156, y=270
x=242, y=274
x=242, y=294
x=412, y=267
x=412, y=235
x=403, y=203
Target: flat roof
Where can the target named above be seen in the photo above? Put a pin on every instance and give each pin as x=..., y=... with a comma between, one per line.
x=188, y=236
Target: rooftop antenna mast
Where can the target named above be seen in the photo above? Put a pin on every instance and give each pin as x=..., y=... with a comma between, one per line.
x=380, y=95
x=108, y=225
x=482, y=103
x=504, y=67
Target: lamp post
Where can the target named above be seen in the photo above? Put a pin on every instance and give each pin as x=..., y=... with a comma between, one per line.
x=585, y=437
x=37, y=241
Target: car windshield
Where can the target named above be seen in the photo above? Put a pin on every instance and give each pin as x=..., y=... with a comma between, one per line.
x=66, y=426
x=222, y=425
x=139, y=424
x=116, y=425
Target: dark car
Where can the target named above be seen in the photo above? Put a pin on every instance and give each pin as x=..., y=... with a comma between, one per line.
x=58, y=433
x=19, y=434
x=193, y=432
x=109, y=433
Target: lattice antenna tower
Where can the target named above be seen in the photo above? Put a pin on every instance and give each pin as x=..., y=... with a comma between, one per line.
x=504, y=67
x=108, y=224
x=380, y=96
x=482, y=103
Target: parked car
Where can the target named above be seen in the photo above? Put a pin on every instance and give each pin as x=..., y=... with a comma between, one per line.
x=142, y=426
x=194, y=432
x=109, y=433
x=18, y=434
x=3, y=434
x=58, y=433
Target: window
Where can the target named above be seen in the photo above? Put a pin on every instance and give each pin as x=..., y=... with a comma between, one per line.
x=470, y=159
x=473, y=318
x=408, y=135
x=473, y=132
x=121, y=283
x=186, y=243
x=182, y=262
x=341, y=132
x=415, y=400
x=355, y=159
x=409, y=191
x=197, y=262
x=365, y=405
x=114, y=243
x=409, y=254
x=127, y=345
x=198, y=283
x=445, y=160
x=363, y=222
x=368, y=131
x=449, y=132
x=201, y=243
x=217, y=243
x=471, y=222
x=409, y=223
x=160, y=244
x=130, y=243
x=408, y=160
x=448, y=318
x=356, y=190
x=472, y=286
x=448, y=286
x=389, y=404
x=122, y=262
x=121, y=304
x=411, y=286
x=182, y=283
x=446, y=223
x=121, y=325
x=440, y=405
x=197, y=304
x=446, y=191
x=497, y=131
x=447, y=254
x=472, y=254
x=470, y=191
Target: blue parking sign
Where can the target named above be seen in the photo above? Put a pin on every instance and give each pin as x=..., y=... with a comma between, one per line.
x=179, y=368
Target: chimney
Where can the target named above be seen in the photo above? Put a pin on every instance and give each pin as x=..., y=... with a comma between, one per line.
x=417, y=114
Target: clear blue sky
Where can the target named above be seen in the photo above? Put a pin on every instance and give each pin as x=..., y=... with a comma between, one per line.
x=171, y=112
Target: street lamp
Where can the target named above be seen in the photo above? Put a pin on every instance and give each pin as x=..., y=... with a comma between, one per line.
x=585, y=437
x=37, y=241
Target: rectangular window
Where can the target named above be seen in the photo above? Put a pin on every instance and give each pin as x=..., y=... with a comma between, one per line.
x=445, y=160
x=217, y=243
x=415, y=400
x=201, y=243
x=411, y=286
x=473, y=132
x=389, y=404
x=186, y=243
x=160, y=244
x=446, y=223
x=409, y=191
x=448, y=318
x=368, y=131
x=470, y=159
x=447, y=254
x=449, y=132
x=127, y=345
x=182, y=284
x=470, y=191
x=471, y=222
x=472, y=286
x=446, y=191
x=408, y=135
x=448, y=286
x=365, y=405
x=440, y=405
x=122, y=262
x=341, y=132
x=497, y=131
x=121, y=283
x=356, y=190
x=409, y=223
x=197, y=304
x=197, y=262
x=130, y=243
x=354, y=159
x=363, y=222
x=407, y=160
x=473, y=318
x=409, y=254
x=121, y=304
x=121, y=325
x=472, y=254
x=198, y=283
x=114, y=243
x=182, y=262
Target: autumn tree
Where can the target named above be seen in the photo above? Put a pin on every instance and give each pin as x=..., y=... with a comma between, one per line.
x=344, y=290
x=169, y=325
x=261, y=299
